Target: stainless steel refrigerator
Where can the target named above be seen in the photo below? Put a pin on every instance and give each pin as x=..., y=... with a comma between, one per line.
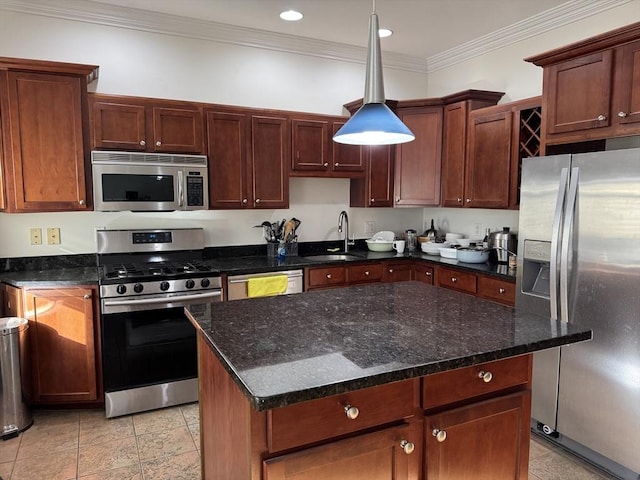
x=579, y=261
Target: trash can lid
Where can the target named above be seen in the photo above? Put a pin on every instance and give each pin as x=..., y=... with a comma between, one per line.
x=11, y=324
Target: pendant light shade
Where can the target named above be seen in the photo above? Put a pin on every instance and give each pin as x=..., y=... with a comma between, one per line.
x=374, y=123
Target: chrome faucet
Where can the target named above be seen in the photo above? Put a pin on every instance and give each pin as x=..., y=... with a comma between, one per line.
x=343, y=219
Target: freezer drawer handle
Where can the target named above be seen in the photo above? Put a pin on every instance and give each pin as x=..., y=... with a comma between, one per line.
x=486, y=377
x=440, y=435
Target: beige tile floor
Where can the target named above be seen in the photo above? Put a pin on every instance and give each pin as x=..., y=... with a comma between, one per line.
x=163, y=445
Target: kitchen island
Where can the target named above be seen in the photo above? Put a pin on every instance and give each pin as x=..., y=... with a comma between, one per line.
x=383, y=381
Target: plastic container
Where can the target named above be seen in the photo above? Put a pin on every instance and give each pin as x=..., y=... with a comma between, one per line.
x=15, y=415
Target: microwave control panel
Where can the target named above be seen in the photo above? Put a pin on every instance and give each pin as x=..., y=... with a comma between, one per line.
x=195, y=191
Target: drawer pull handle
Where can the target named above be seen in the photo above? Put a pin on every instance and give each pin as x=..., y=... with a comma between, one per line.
x=328, y=275
x=407, y=447
x=440, y=435
x=366, y=273
x=351, y=412
x=428, y=274
x=86, y=296
x=486, y=377
x=454, y=279
x=391, y=270
x=501, y=290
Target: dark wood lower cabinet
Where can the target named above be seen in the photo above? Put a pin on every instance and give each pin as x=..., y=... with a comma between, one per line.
x=388, y=454
x=488, y=440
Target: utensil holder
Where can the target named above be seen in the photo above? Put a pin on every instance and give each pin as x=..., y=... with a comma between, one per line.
x=290, y=249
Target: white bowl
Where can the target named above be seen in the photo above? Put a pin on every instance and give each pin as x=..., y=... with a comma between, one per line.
x=450, y=237
x=379, y=246
x=449, y=252
x=431, y=248
x=384, y=236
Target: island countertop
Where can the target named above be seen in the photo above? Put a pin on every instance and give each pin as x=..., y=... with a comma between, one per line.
x=289, y=349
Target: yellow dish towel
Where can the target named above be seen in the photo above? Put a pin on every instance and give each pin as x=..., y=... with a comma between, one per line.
x=266, y=286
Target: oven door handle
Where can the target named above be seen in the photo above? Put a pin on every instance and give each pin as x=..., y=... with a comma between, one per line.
x=147, y=301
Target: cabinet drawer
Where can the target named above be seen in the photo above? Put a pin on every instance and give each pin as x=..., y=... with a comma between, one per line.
x=457, y=280
x=326, y=277
x=325, y=418
x=449, y=387
x=423, y=273
x=371, y=272
x=396, y=272
x=496, y=289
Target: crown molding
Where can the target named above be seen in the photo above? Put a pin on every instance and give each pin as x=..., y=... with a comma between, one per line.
x=562, y=15
x=160, y=23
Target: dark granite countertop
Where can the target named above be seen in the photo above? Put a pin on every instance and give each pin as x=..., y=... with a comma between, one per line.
x=288, y=349
x=61, y=276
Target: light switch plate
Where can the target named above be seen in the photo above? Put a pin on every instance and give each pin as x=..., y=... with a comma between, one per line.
x=53, y=236
x=36, y=236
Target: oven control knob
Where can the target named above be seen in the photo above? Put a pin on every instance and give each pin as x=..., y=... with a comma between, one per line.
x=121, y=289
x=205, y=282
x=190, y=284
x=137, y=287
x=164, y=286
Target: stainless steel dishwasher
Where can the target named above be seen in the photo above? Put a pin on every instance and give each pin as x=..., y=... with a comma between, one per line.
x=237, y=284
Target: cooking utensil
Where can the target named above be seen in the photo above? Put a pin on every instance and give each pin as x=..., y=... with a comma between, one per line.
x=431, y=233
x=503, y=243
x=472, y=255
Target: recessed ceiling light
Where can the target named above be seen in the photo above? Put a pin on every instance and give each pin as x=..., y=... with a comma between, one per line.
x=385, y=32
x=291, y=16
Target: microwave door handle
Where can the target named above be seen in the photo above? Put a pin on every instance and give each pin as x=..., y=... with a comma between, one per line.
x=567, y=240
x=180, y=188
x=555, y=240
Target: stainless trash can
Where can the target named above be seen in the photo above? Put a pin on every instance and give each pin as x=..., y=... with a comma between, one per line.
x=15, y=415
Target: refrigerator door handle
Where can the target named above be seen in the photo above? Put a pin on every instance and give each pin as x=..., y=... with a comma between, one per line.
x=555, y=240
x=567, y=239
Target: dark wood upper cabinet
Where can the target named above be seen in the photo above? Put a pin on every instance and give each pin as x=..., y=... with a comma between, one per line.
x=375, y=189
x=591, y=88
x=145, y=125
x=248, y=159
x=346, y=158
x=417, y=163
x=43, y=108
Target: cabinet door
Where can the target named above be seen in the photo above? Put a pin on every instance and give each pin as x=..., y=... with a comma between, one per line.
x=502, y=455
x=227, y=136
x=417, y=168
x=453, y=154
x=488, y=160
x=423, y=273
x=47, y=158
x=380, y=175
x=118, y=126
x=367, y=273
x=12, y=301
x=578, y=93
x=628, y=88
x=497, y=290
x=309, y=140
x=176, y=130
x=269, y=161
x=389, y=454
x=456, y=280
x=62, y=341
x=324, y=277
x=346, y=158
x=396, y=272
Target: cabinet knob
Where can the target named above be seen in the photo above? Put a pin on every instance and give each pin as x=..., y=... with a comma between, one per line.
x=501, y=290
x=468, y=200
x=459, y=200
x=391, y=270
x=622, y=114
x=325, y=164
x=82, y=202
x=351, y=412
x=601, y=118
x=454, y=279
x=328, y=275
x=486, y=377
x=158, y=143
x=257, y=200
x=337, y=164
x=397, y=199
x=142, y=143
x=86, y=296
x=440, y=435
x=428, y=274
x=244, y=201
x=373, y=200
x=407, y=447
x=366, y=273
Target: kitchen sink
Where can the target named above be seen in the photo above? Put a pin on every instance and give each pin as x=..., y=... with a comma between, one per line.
x=333, y=257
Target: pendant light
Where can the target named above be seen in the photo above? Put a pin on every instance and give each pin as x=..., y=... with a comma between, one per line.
x=374, y=123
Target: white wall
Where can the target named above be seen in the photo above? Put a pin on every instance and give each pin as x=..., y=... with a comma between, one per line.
x=139, y=63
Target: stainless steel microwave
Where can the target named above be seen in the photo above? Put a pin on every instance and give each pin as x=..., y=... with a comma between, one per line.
x=149, y=181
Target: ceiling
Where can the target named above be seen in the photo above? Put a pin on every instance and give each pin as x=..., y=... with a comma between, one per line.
x=422, y=28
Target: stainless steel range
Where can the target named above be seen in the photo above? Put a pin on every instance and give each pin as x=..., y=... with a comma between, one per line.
x=148, y=345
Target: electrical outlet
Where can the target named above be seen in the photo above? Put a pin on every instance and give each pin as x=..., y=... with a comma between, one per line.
x=369, y=227
x=53, y=236
x=36, y=236
x=477, y=232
